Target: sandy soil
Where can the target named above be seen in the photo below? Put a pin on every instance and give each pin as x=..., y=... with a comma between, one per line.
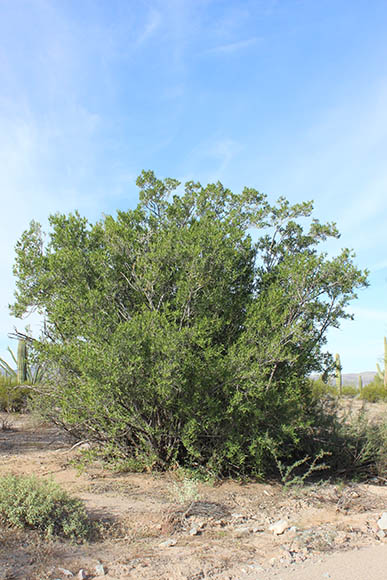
x=222, y=534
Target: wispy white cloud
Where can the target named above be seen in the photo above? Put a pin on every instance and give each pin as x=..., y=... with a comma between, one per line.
x=212, y=158
x=382, y=265
x=231, y=47
x=370, y=314
x=224, y=151
x=151, y=26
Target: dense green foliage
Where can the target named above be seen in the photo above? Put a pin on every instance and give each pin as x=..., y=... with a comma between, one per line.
x=173, y=336
x=27, y=502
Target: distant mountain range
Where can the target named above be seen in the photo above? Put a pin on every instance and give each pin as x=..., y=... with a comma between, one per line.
x=353, y=378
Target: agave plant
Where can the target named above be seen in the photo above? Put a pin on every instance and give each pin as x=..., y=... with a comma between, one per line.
x=24, y=372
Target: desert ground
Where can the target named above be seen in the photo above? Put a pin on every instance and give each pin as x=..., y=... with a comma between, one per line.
x=163, y=526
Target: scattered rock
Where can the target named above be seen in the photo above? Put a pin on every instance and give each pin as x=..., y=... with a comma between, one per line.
x=381, y=534
x=243, y=531
x=279, y=527
x=66, y=572
x=100, y=570
x=82, y=574
x=272, y=561
x=237, y=516
x=382, y=521
x=256, y=567
x=168, y=543
x=193, y=531
x=292, y=531
x=258, y=529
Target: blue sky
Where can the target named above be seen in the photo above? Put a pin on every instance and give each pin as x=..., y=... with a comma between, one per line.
x=287, y=96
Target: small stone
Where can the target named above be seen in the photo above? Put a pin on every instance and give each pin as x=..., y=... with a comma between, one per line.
x=256, y=567
x=237, y=516
x=193, y=531
x=258, y=529
x=292, y=530
x=327, y=575
x=244, y=531
x=279, y=527
x=100, y=570
x=382, y=521
x=381, y=534
x=82, y=574
x=66, y=572
x=168, y=543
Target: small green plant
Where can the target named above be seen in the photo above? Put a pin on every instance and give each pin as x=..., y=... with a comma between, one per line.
x=287, y=472
x=27, y=502
x=186, y=491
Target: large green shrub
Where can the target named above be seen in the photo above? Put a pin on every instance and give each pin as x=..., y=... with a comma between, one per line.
x=173, y=336
x=27, y=502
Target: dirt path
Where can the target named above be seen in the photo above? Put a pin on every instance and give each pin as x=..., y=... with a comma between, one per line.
x=364, y=564
x=159, y=529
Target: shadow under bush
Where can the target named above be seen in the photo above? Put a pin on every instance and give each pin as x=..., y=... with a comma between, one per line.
x=355, y=446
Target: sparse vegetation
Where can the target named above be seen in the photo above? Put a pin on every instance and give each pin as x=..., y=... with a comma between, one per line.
x=374, y=391
x=185, y=491
x=356, y=445
x=13, y=393
x=13, y=397
x=27, y=370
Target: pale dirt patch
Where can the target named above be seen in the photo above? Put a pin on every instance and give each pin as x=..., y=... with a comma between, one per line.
x=232, y=540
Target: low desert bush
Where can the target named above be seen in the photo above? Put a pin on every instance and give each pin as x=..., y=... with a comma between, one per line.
x=322, y=389
x=350, y=391
x=374, y=391
x=185, y=491
x=13, y=397
x=27, y=502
